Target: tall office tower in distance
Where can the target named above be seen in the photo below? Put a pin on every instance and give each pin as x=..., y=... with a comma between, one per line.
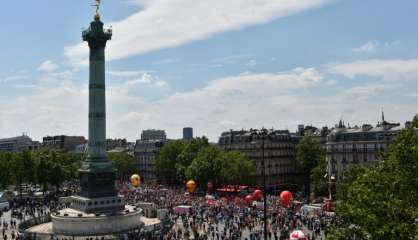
x=187, y=133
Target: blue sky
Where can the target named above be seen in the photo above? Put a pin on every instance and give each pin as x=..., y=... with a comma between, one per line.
x=212, y=65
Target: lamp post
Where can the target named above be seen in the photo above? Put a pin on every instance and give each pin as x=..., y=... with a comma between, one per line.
x=331, y=179
x=263, y=137
x=263, y=134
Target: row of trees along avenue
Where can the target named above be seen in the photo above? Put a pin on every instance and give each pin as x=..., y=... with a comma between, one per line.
x=51, y=167
x=180, y=161
x=44, y=167
x=310, y=159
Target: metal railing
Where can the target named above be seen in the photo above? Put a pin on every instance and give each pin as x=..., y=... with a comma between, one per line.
x=25, y=225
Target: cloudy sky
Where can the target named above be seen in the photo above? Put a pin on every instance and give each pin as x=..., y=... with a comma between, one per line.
x=212, y=65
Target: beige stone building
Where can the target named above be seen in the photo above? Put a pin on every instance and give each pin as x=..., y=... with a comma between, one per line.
x=347, y=146
x=146, y=153
x=279, y=155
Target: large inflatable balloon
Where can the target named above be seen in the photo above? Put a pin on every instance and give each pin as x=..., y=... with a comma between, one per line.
x=258, y=194
x=297, y=235
x=191, y=186
x=249, y=199
x=135, y=180
x=286, y=198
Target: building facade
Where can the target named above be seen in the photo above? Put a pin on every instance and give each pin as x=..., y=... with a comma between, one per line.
x=17, y=144
x=63, y=142
x=279, y=155
x=116, y=143
x=146, y=153
x=153, y=134
x=319, y=134
x=347, y=146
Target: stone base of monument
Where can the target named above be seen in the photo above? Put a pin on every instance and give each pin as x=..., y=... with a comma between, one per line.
x=71, y=222
x=97, y=205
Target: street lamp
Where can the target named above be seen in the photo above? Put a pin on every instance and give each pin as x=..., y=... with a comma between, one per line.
x=263, y=134
x=331, y=179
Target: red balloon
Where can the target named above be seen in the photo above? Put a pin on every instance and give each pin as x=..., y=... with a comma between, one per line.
x=286, y=198
x=249, y=199
x=258, y=194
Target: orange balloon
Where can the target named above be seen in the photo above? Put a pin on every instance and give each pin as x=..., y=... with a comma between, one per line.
x=191, y=186
x=135, y=180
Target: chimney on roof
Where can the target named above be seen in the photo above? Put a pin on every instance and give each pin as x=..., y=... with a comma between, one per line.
x=383, y=116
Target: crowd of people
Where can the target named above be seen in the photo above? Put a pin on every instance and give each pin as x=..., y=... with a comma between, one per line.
x=207, y=218
x=230, y=217
x=24, y=208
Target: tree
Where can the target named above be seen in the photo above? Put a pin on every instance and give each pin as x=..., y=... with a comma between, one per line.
x=17, y=170
x=122, y=162
x=28, y=165
x=415, y=121
x=206, y=166
x=180, y=161
x=5, y=172
x=310, y=155
x=167, y=161
x=381, y=202
x=43, y=172
x=237, y=169
x=187, y=156
x=319, y=182
x=59, y=171
x=212, y=164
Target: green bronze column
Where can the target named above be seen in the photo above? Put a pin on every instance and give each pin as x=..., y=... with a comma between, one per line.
x=97, y=175
x=97, y=39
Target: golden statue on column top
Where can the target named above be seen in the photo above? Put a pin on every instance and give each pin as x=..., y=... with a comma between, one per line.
x=97, y=5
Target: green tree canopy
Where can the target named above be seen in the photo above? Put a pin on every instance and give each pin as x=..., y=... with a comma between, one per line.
x=6, y=171
x=188, y=154
x=180, y=161
x=44, y=167
x=122, y=162
x=167, y=161
x=415, y=121
x=310, y=158
x=237, y=169
x=212, y=164
x=206, y=166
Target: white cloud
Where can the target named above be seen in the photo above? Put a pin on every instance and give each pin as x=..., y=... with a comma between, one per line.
x=14, y=78
x=367, y=47
x=128, y=73
x=162, y=24
x=24, y=86
x=58, y=108
x=141, y=82
x=48, y=66
x=374, y=45
x=369, y=90
x=166, y=61
x=161, y=83
x=251, y=63
x=390, y=69
x=298, y=78
x=283, y=100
